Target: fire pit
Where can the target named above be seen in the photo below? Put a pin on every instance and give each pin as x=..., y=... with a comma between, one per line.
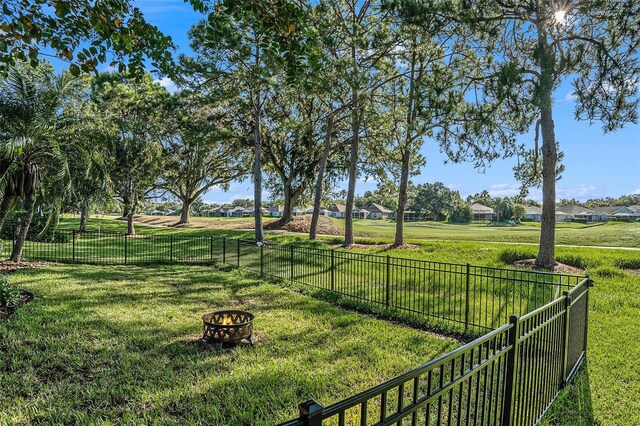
x=228, y=326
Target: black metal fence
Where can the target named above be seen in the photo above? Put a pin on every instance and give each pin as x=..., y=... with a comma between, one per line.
x=535, y=322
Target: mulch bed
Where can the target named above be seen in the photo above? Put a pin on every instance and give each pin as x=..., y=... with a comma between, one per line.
x=25, y=297
x=14, y=266
x=632, y=271
x=379, y=246
x=560, y=267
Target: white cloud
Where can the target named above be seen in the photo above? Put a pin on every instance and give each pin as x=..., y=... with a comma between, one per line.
x=167, y=83
x=636, y=191
x=583, y=191
x=569, y=97
x=504, y=190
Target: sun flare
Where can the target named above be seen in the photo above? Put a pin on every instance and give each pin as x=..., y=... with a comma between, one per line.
x=560, y=16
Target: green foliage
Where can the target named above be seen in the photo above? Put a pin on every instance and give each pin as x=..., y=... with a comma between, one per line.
x=9, y=294
x=629, y=264
x=82, y=33
x=461, y=213
x=577, y=261
x=435, y=200
x=607, y=272
x=517, y=212
x=509, y=256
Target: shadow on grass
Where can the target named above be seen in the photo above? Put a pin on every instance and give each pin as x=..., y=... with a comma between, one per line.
x=574, y=405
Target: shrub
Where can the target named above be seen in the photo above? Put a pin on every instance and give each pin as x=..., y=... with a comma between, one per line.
x=572, y=260
x=510, y=256
x=628, y=264
x=576, y=220
x=461, y=214
x=607, y=272
x=9, y=294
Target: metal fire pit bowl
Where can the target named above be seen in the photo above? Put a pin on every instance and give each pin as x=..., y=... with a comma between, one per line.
x=227, y=327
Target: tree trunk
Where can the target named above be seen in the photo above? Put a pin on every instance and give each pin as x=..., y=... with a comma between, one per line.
x=317, y=199
x=184, y=212
x=16, y=255
x=131, y=230
x=257, y=175
x=353, y=171
x=84, y=212
x=402, y=198
x=287, y=210
x=52, y=223
x=546, y=250
x=5, y=207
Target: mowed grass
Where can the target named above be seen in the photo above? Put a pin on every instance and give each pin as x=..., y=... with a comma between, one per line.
x=606, y=392
x=611, y=234
x=118, y=344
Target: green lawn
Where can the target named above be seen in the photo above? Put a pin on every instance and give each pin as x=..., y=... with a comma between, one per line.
x=118, y=345
x=605, y=393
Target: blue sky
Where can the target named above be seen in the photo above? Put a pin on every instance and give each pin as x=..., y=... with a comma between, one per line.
x=597, y=165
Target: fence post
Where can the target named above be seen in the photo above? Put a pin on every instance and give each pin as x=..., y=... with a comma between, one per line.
x=238, y=251
x=311, y=413
x=224, y=249
x=511, y=368
x=125, y=249
x=467, y=294
x=211, y=248
x=171, y=248
x=291, y=261
x=586, y=312
x=388, y=283
x=333, y=269
x=73, y=245
x=565, y=339
x=261, y=259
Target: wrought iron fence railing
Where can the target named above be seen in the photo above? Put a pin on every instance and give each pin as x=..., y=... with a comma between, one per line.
x=535, y=323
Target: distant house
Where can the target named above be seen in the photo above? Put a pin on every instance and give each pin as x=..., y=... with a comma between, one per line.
x=376, y=211
x=624, y=213
x=482, y=212
x=337, y=210
x=584, y=213
x=297, y=211
x=222, y=211
x=275, y=211
x=562, y=216
x=237, y=212
x=410, y=215
x=532, y=213
x=360, y=213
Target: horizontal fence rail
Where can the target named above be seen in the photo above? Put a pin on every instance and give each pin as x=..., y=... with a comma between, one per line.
x=534, y=323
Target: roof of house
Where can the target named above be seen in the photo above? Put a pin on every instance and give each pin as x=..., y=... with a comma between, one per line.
x=481, y=208
x=373, y=207
x=335, y=207
x=532, y=209
x=610, y=209
x=635, y=209
x=561, y=213
x=581, y=210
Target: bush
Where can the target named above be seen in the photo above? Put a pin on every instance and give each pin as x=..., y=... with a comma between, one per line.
x=461, y=214
x=628, y=264
x=575, y=261
x=607, y=272
x=9, y=294
x=37, y=225
x=576, y=220
x=510, y=256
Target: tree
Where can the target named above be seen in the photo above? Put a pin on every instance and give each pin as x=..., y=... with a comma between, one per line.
x=134, y=109
x=30, y=154
x=239, y=48
x=435, y=200
x=360, y=42
x=197, y=154
x=518, y=212
x=461, y=213
x=536, y=45
x=504, y=208
x=483, y=198
x=83, y=33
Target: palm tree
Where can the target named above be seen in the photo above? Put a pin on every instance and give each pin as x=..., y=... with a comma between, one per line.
x=30, y=155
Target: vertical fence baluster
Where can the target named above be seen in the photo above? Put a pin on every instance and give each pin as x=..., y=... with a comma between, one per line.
x=291, y=262
x=262, y=259
x=565, y=339
x=466, y=292
x=508, y=411
x=388, y=282
x=238, y=251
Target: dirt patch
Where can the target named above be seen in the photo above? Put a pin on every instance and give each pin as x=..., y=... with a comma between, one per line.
x=560, y=267
x=197, y=223
x=302, y=224
x=633, y=271
x=14, y=266
x=6, y=312
x=379, y=246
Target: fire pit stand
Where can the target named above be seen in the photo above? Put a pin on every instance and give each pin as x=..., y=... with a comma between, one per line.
x=227, y=326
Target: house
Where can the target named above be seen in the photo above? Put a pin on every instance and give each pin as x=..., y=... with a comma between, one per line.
x=482, y=212
x=532, y=213
x=584, y=213
x=251, y=211
x=376, y=211
x=562, y=216
x=297, y=211
x=360, y=213
x=236, y=212
x=628, y=214
x=410, y=215
x=337, y=210
x=275, y=211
